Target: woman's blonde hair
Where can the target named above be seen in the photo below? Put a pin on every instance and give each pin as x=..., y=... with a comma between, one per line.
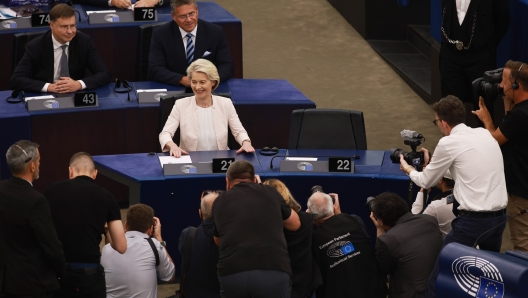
x=207, y=67
x=285, y=193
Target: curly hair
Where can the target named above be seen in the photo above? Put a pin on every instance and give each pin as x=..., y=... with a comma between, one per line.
x=451, y=110
x=389, y=207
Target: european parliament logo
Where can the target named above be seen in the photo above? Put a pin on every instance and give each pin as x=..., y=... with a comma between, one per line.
x=340, y=248
x=478, y=277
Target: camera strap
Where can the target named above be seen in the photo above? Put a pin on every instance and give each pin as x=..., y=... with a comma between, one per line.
x=156, y=254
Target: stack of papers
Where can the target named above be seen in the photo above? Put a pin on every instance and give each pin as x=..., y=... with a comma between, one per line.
x=7, y=13
x=164, y=160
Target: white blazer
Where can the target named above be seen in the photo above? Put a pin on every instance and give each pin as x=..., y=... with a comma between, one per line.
x=185, y=116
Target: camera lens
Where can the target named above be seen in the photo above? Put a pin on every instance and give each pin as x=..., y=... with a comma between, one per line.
x=370, y=203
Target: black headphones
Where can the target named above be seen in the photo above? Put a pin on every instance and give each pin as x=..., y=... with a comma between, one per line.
x=267, y=151
x=515, y=85
x=16, y=97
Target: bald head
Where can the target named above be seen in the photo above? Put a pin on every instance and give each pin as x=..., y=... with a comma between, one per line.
x=320, y=204
x=206, y=206
x=82, y=164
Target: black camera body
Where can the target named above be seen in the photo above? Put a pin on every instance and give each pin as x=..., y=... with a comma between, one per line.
x=318, y=188
x=488, y=86
x=413, y=158
x=369, y=205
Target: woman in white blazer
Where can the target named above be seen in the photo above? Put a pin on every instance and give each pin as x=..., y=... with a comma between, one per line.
x=203, y=118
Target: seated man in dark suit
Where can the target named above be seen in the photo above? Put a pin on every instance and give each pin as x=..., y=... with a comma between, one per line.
x=200, y=257
x=123, y=3
x=57, y=61
x=33, y=256
x=176, y=44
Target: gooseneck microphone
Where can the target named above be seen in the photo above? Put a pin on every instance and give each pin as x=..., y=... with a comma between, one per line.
x=271, y=162
x=520, y=213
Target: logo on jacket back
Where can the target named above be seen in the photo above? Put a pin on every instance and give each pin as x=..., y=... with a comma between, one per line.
x=340, y=248
x=478, y=277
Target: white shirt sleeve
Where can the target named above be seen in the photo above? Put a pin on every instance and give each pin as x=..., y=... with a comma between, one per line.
x=439, y=164
x=418, y=203
x=165, y=270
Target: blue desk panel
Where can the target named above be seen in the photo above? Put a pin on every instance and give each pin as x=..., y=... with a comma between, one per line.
x=117, y=43
x=176, y=199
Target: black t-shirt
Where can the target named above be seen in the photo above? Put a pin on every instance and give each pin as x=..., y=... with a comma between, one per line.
x=515, y=151
x=305, y=272
x=80, y=209
x=248, y=218
x=347, y=260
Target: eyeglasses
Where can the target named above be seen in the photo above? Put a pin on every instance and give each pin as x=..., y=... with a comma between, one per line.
x=207, y=192
x=184, y=17
x=28, y=158
x=66, y=27
x=434, y=121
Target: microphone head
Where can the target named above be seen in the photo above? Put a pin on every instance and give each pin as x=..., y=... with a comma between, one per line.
x=522, y=211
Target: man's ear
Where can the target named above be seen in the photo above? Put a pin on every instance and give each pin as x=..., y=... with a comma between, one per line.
x=70, y=170
x=200, y=212
x=228, y=185
x=94, y=174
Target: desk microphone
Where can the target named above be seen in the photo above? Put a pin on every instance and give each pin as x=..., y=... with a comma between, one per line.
x=271, y=163
x=520, y=213
x=16, y=96
x=123, y=84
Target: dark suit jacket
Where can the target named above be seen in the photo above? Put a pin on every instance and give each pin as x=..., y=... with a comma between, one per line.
x=167, y=58
x=493, y=19
x=104, y=3
x=35, y=69
x=34, y=256
x=408, y=252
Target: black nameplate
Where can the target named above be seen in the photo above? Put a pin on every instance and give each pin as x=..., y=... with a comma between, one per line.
x=220, y=165
x=85, y=99
x=340, y=164
x=145, y=14
x=40, y=19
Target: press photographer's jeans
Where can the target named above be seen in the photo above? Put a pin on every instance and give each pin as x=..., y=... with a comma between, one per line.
x=83, y=282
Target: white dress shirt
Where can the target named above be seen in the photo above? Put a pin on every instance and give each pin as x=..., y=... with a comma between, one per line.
x=206, y=131
x=57, y=54
x=462, y=8
x=474, y=159
x=133, y=274
x=438, y=209
x=184, y=37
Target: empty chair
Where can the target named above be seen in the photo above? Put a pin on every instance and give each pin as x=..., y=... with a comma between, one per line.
x=327, y=129
x=144, y=38
x=19, y=45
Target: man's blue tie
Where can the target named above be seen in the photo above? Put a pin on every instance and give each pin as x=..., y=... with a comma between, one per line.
x=190, y=48
x=64, y=70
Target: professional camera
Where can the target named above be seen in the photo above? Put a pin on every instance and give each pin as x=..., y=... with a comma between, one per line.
x=318, y=188
x=413, y=158
x=488, y=86
x=370, y=203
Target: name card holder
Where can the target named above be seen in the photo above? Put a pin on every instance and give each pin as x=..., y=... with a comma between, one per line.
x=55, y=103
x=40, y=19
x=187, y=169
x=116, y=17
x=19, y=23
x=309, y=166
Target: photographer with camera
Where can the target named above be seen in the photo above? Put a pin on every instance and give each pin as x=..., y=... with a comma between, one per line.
x=343, y=251
x=512, y=136
x=474, y=159
x=438, y=208
x=407, y=244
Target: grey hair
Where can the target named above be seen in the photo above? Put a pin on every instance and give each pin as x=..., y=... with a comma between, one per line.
x=204, y=66
x=18, y=154
x=206, y=205
x=178, y=3
x=320, y=205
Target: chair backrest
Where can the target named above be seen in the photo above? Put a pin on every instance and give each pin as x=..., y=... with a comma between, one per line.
x=19, y=45
x=327, y=129
x=144, y=39
x=166, y=105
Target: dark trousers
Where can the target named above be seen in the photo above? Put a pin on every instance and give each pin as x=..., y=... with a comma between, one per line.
x=7, y=295
x=256, y=284
x=465, y=230
x=83, y=282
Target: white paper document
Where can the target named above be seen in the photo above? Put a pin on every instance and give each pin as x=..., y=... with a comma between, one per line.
x=99, y=11
x=40, y=97
x=164, y=160
x=302, y=158
x=151, y=90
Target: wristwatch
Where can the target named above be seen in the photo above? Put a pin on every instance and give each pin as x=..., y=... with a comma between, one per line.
x=160, y=2
x=163, y=243
x=246, y=140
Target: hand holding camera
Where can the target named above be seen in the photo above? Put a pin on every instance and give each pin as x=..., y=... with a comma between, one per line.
x=156, y=229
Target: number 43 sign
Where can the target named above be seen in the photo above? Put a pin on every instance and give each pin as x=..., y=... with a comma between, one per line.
x=85, y=99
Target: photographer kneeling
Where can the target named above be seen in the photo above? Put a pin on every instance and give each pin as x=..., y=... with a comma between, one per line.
x=407, y=245
x=343, y=252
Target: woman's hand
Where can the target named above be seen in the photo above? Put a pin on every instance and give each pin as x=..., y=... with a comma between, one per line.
x=246, y=147
x=176, y=151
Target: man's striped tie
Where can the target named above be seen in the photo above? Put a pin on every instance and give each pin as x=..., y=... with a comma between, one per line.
x=190, y=48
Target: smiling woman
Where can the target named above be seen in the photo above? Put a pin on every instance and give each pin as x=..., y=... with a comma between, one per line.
x=203, y=118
